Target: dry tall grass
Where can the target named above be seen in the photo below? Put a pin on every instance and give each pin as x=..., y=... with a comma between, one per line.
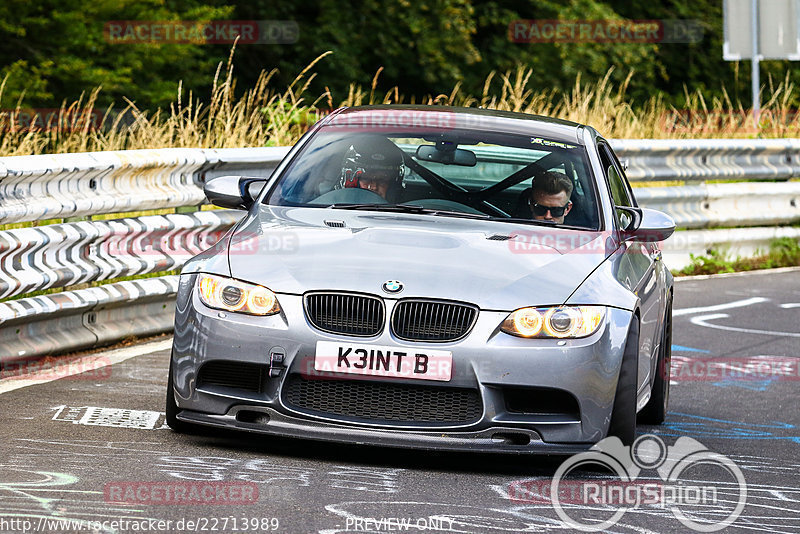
x=263, y=116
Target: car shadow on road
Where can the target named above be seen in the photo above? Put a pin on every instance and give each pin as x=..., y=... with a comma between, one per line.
x=376, y=456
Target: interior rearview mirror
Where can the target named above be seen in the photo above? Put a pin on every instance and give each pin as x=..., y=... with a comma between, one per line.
x=458, y=156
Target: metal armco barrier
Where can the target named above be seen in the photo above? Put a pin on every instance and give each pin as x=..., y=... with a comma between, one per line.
x=85, y=318
x=64, y=186
x=707, y=159
x=59, y=255
x=54, y=186
x=730, y=204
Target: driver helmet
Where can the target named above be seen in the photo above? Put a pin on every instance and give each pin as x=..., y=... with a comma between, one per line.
x=375, y=158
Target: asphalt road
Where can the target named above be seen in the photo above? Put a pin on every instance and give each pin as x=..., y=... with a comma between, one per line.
x=92, y=448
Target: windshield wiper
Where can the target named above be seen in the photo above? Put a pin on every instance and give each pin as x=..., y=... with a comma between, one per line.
x=540, y=222
x=411, y=208
x=406, y=208
x=464, y=214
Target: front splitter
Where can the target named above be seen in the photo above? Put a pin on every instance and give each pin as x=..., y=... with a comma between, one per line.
x=504, y=440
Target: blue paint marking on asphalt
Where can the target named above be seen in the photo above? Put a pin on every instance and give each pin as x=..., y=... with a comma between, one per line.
x=708, y=427
x=681, y=348
x=753, y=385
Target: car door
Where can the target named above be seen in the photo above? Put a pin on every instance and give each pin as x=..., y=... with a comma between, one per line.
x=641, y=269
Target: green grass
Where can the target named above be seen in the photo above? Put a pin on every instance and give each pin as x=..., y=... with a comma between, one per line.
x=783, y=252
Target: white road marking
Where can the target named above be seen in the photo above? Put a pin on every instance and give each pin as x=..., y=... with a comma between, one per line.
x=719, y=307
x=82, y=365
x=113, y=417
x=789, y=305
x=703, y=321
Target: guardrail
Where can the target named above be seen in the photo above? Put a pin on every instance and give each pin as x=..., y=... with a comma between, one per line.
x=33, y=188
x=73, y=252
x=708, y=159
x=730, y=204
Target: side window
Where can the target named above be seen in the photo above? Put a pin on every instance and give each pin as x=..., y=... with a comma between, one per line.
x=616, y=184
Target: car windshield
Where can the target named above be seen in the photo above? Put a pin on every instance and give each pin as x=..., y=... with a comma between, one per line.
x=460, y=173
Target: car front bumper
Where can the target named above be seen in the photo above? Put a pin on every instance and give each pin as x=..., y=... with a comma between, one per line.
x=488, y=361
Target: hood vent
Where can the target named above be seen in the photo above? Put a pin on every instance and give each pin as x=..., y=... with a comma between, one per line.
x=335, y=224
x=501, y=237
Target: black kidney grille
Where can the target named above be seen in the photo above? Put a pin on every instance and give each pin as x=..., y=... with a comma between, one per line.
x=381, y=402
x=343, y=313
x=426, y=320
x=237, y=375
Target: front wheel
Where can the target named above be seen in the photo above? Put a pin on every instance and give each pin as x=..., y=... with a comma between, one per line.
x=171, y=409
x=655, y=411
x=623, y=414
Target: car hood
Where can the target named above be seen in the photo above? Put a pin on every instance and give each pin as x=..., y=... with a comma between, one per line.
x=498, y=266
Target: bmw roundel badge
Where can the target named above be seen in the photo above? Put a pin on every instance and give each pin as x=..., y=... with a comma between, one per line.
x=392, y=286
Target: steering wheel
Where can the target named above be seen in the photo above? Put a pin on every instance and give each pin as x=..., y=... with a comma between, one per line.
x=451, y=191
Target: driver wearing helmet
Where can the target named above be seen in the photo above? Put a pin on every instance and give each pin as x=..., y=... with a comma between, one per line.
x=376, y=164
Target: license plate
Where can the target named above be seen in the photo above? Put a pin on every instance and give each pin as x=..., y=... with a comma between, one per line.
x=377, y=360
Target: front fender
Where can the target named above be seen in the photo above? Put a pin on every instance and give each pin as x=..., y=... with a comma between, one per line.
x=607, y=286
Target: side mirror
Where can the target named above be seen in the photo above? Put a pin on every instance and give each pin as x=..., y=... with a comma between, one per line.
x=645, y=224
x=236, y=192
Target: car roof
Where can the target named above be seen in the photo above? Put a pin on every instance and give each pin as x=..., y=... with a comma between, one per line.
x=467, y=118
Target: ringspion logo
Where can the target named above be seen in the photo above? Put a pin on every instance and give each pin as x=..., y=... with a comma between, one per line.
x=709, y=502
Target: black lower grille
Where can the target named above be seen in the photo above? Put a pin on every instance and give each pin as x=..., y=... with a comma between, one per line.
x=344, y=313
x=382, y=402
x=431, y=320
x=236, y=375
x=541, y=401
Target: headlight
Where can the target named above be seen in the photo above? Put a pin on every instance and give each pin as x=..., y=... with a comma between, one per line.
x=558, y=322
x=232, y=295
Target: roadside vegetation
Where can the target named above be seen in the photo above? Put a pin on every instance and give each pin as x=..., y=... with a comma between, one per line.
x=264, y=115
x=783, y=252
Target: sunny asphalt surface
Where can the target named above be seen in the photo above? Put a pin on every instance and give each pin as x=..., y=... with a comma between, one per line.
x=69, y=444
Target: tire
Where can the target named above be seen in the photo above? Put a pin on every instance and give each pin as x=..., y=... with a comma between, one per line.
x=655, y=411
x=623, y=414
x=171, y=410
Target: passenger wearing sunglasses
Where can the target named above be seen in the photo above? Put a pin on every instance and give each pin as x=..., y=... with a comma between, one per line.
x=550, y=195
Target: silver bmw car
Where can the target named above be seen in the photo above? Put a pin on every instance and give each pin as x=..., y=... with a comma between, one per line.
x=434, y=278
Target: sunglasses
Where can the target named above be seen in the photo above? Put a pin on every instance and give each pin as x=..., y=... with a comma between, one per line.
x=540, y=210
